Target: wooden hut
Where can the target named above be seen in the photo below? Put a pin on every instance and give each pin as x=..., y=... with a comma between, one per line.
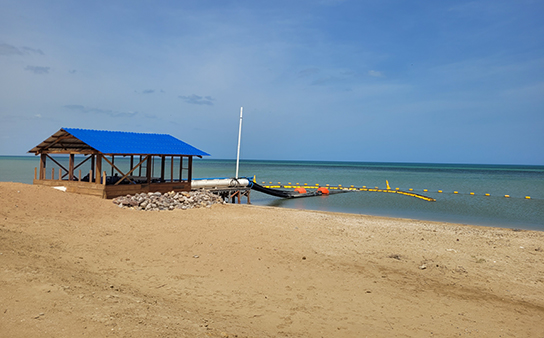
x=97, y=150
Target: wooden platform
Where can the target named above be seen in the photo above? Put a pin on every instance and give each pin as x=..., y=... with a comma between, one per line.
x=112, y=191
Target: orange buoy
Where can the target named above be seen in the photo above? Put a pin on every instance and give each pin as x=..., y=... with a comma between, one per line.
x=324, y=191
x=300, y=190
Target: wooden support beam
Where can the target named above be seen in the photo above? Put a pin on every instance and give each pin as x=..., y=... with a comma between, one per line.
x=91, y=176
x=112, y=163
x=71, y=168
x=98, y=171
x=148, y=171
x=172, y=169
x=181, y=168
x=190, y=174
x=60, y=138
x=163, y=160
x=57, y=163
x=139, y=165
x=43, y=159
x=75, y=151
x=119, y=170
x=80, y=163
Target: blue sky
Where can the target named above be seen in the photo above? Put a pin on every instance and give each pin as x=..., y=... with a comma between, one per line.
x=391, y=81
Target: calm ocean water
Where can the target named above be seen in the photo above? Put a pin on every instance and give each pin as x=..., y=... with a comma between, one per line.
x=478, y=209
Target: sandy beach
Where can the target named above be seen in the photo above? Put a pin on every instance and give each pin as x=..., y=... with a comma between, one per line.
x=79, y=266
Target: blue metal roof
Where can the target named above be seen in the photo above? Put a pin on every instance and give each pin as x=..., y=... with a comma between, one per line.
x=118, y=142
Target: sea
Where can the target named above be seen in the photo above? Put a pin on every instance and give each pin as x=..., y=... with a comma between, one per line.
x=487, y=206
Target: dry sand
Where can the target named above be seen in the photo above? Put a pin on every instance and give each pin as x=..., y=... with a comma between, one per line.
x=74, y=266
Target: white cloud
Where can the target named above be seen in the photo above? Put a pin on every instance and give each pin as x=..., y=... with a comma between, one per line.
x=375, y=73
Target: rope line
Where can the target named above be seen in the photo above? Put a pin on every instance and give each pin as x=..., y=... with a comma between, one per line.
x=410, y=191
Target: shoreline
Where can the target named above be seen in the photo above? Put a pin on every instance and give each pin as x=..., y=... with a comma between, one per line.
x=76, y=265
x=392, y=218
x=519, y=228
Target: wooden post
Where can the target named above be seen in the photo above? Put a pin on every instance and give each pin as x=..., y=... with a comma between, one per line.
x=140, y=168
x=190, y=173
x=35, y=173
x=43, y=159
x=104, y=179
x=71, y=168
x=91, y=175
x=113, y=162
x=98, y=167
x=60, y=174
x=172, y=169
x=163, y=162
x=180, y=168
x=79, y=177
x=131, y=162
x=52, y=173
x=148, y=169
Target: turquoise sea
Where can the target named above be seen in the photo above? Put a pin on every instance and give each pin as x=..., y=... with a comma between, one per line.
x=517, y=181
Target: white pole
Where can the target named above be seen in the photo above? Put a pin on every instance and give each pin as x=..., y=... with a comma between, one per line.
x=239, y=139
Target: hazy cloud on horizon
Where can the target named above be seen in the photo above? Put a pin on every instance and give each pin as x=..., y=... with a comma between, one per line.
x=38, y=69
x=196, y=99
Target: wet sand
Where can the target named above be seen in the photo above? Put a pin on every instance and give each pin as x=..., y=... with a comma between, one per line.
x=79, y=266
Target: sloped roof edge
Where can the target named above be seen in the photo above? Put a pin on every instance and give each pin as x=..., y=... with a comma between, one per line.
x=116, y=142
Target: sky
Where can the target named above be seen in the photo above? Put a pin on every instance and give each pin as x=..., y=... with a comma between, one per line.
x=332, y=80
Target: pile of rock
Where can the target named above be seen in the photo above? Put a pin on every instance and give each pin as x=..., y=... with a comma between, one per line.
x=169, y=201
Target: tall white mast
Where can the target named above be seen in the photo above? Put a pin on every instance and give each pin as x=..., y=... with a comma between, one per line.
x=239, y=139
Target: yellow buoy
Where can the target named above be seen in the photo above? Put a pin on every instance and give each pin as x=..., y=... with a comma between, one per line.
x=507, y=196
x=411, y=189
x=397, y=189
x=472, y=193
x=528, y=197
x=387, y=183
x=487, y=194
x=455, y=192
x=425, y=190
